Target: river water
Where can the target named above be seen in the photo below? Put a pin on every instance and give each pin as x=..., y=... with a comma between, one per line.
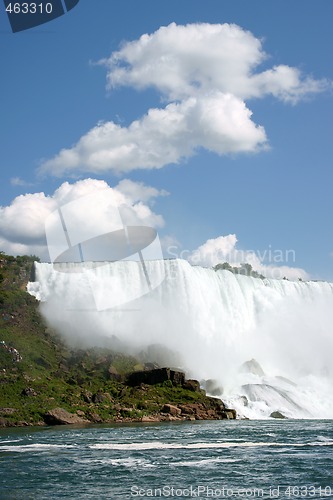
x=220, y=459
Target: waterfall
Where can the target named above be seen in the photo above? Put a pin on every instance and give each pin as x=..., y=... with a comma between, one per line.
x=265, y=345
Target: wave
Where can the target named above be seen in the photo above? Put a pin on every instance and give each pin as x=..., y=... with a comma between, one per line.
x=197, y=446
x=37, y=447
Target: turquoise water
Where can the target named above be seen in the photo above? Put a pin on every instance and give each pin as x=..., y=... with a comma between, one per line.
x=235, y=459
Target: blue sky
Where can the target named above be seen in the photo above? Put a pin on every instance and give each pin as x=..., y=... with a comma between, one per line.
x=270, y=183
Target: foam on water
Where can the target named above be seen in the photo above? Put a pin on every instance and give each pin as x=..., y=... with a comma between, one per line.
x=37, y=447
x=204, y=462
x=198, y=446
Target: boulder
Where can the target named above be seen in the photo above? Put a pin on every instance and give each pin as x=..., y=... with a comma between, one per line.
x=192, y=385
x=101, y=397
x=187, y=409
x=7, y=411
x=59, y=416
x=28, y=391
x=113, y=373
x=86, y=396
x=277, y=414
x=170, y=418
x=191, y=408
x=94, y=417
x=171, y=410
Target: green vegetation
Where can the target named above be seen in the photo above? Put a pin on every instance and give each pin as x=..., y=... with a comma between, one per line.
x=245, y=269
x=50, y=374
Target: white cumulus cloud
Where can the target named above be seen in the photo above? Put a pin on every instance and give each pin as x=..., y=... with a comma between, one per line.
x=182, y=61
x=205, y=73
x=22, y=223
x=217, y=122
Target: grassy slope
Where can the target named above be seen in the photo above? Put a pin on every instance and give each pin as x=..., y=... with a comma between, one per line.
x=53, y=375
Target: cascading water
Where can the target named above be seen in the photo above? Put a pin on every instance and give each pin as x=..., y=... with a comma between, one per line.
x=216, y=321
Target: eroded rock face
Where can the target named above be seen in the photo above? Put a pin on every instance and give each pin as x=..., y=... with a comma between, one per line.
x=59, y=416
x=212, y=409
x=156, y=376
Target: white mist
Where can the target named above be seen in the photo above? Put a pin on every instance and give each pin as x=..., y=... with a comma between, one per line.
x=216, y=321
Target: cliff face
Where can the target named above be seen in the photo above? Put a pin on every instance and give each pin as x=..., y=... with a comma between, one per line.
x=42, y=380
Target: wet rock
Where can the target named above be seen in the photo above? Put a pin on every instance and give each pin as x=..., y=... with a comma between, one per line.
x=244, y=400
x=231, y=414
x=277, y=414
x=215, y=403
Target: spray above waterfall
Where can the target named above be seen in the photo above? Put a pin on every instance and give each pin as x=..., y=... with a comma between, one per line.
x=74, y=236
